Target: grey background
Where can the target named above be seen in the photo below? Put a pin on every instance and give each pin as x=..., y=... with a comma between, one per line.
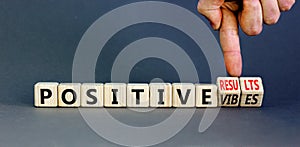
x=38, y=40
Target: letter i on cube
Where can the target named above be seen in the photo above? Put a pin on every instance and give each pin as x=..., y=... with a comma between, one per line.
x=228, y=91
x=115, y=95
x=160, y=94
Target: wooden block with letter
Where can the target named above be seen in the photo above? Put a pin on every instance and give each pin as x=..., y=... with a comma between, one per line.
x=45, y=94
x=92, y=95
x=160, y=94
x=137, y=95
x=206, y=95
x=115, y=95
x=228, y=91
x=69, y=94
x=252, y=91
x=184, y=95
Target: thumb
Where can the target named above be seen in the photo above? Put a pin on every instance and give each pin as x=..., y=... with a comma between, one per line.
x=211, y=10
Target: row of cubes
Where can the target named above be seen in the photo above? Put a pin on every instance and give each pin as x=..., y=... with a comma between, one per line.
x=229, y=91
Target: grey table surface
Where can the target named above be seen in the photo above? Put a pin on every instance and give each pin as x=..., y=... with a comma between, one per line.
x=38, y=40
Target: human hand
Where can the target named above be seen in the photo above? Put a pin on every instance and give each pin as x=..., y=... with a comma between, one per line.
x=226, y=15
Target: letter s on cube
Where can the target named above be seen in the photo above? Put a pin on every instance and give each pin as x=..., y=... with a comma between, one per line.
x=252, y=91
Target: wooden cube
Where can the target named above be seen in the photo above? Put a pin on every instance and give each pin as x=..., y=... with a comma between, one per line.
x=115, y=95
x=69, y=94
x=137, y=95
x=92, y=95
x=206, y=95
x=45, y=94
x=228, y=91
x=183, y=95
x=252, y=91
x=160, y=94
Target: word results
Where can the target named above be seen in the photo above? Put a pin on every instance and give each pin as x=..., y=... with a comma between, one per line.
x=228, y=92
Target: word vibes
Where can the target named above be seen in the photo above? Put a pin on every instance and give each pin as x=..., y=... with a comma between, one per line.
x=228, y=92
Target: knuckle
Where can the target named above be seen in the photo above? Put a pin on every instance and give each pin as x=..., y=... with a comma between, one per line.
x=229, y=31
x=251, y=4
x=200, y=8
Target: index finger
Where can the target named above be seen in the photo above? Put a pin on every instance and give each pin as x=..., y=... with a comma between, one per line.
x=230, y=43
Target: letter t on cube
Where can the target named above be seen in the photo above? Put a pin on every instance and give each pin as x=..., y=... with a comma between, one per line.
x=137, y=95
x=252, y=91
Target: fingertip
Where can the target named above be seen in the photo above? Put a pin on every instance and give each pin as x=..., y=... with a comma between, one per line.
x=251, y=18
x=271, y=12
x=233, y=62
x=273, y=19
x=252, y=30
x=286, y=5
